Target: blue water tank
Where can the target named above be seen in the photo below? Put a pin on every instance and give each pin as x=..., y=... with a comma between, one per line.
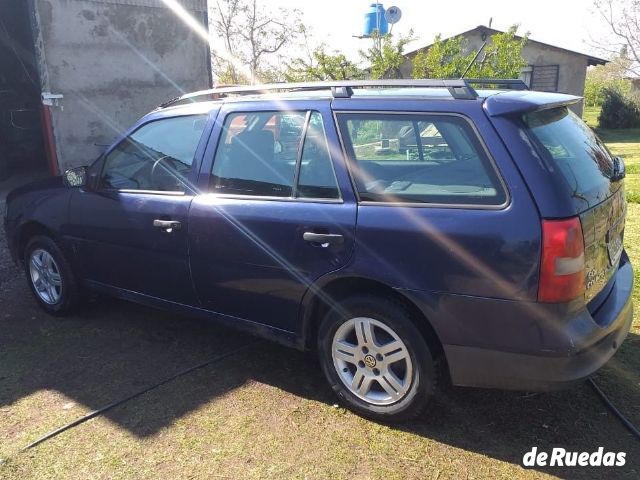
x=374, y=18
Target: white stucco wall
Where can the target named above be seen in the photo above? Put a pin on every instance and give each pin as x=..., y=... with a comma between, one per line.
x=113, y=60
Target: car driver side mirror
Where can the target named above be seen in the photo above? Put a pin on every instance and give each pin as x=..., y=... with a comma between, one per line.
x=75, y=177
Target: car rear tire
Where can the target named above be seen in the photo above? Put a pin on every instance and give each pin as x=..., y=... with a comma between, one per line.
x=50, y=276
x=376, y=360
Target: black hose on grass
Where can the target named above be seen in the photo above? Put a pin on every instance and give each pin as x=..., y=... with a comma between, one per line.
x=630, y=426
x=100, y=411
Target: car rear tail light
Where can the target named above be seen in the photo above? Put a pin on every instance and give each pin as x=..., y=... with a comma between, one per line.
x=562, y=266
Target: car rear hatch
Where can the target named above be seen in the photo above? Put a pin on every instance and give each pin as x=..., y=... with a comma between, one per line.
x=594, y=183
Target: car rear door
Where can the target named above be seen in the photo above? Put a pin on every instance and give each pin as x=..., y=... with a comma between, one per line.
x=278, y=214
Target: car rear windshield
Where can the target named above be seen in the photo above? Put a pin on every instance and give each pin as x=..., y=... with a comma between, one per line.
x=578, y=154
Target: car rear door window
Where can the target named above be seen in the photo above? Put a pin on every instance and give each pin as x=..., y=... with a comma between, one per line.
x=317, y=178
x=416, y=158
x=156, y=157
x=257, y=154
x=267, y=153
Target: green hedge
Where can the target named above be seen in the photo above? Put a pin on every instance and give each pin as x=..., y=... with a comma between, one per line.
x=619, y=110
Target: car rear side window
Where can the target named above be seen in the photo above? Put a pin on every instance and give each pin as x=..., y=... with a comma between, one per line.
x=257, y=154
x=156, y=157
x=263, y=153
x=417, y=158
x=317, y=178
x=575, y=151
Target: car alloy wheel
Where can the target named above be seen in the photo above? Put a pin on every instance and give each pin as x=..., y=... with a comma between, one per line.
x=372, y=361
x=45, y=276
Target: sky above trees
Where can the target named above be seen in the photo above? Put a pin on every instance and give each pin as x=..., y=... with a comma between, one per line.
x=571, y=24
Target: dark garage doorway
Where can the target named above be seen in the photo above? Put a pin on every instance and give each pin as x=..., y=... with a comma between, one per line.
x=22, y=152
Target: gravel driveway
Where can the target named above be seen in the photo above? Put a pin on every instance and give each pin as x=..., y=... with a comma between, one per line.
x=8, y=269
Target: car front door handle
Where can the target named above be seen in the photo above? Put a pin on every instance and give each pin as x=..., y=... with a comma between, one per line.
x=324, y=239
x=167, y=225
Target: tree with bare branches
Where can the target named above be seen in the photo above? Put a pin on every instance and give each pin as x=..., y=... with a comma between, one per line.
x=250, y=37
x=623, y=19
x=223, y=23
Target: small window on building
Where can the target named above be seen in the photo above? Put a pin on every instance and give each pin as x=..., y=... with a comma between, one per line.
x=545, y=78
x=419, y=158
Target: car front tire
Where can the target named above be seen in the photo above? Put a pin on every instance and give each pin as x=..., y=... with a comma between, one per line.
x=50, y=276
x=376, y=360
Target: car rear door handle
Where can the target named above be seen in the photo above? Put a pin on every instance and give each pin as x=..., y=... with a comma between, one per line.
x=167, y=225
x=325, y=239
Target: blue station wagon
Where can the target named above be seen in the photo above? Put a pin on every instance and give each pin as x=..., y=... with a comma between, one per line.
x=400, y=229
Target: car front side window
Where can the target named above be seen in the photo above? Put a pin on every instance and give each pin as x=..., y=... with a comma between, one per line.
x=156, y=157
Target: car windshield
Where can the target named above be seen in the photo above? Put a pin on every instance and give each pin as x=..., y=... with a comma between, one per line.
x=575, y=150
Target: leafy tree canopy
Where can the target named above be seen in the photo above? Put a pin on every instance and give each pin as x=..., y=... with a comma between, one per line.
x=449, y=58
x=317, y=63
x=611, y=76
x=386, y=55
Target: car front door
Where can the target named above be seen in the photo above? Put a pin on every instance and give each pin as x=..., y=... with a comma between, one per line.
x=279, y=212
x=131, y=225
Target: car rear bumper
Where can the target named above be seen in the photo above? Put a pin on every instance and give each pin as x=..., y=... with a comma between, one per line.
x=591, y=340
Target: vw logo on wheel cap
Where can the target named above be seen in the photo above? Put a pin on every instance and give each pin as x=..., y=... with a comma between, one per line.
x=370, y=361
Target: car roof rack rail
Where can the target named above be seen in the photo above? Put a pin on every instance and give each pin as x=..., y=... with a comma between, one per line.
x=460, y=89
x=506, y=83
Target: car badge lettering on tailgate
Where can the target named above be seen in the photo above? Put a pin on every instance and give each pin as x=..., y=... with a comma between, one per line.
x=614, y=248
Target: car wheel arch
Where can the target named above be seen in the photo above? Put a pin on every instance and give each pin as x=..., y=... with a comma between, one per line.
x=27, y=231
x=317, y=303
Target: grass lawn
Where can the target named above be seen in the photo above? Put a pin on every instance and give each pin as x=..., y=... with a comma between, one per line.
x=267, y=413
x=624, y=143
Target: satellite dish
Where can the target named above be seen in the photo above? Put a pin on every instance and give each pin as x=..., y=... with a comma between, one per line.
x=393, y=15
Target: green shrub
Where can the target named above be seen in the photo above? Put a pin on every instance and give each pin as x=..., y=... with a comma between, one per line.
x=595, y=89
x=603, y=77
x=619, y=110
